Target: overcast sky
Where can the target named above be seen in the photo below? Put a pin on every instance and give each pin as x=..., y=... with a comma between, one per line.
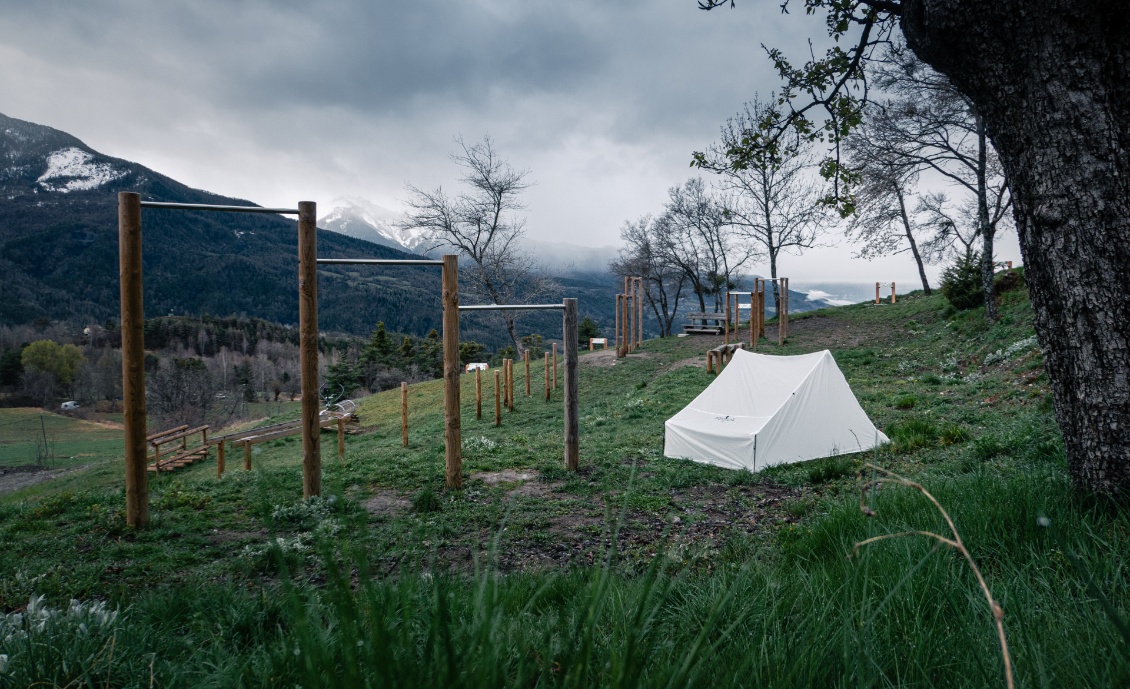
x=603, y=101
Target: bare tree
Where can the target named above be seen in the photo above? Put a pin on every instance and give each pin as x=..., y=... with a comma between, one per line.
x=881, y=222
x=928, y=124
x=774, y=199
x=663, y=281
x=483, y=225
x=695, y=235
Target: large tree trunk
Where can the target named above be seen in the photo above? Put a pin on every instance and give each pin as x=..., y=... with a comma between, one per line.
x=1052, y=80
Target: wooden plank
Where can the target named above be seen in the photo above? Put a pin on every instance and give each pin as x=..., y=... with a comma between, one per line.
x=169, y=431
x=182, y=435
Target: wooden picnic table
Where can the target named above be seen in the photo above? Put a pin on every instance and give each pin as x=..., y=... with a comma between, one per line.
x=704, y=323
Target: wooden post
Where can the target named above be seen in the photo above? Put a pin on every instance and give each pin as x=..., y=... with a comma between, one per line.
x=403, y=414
x=220, y=460
x=555, y=363
x=547, y=376
x=893, y=293
x=478, y=394
x=308, y=349
x=133, y=359
x=624, y=329
x=341, y=438
x=1009, y=265
x=761, y=317
x=510, y=388
x=157, y=459
x=497, y=399
x=619, y=343
x=780, y=311
x=639, y=310
x=709, y=361
x=726, y=324
x=572, y=428
x=526, y=358
x=453, y=430
x=876, y=293
x=247, y=455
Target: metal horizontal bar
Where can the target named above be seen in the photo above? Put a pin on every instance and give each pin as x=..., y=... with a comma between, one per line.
x=378, y=262
x=511, y=307
x=212, y=207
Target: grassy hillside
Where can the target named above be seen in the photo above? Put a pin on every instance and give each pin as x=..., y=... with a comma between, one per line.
x=635, y=571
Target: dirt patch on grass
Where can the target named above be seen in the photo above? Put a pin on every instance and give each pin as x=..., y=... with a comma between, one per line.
x=20, y=477
x=495, y=478
x=828, y=332
x=607, y=357
x=387, y=502
x=519, y=482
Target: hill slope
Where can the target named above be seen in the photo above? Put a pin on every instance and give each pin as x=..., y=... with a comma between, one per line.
x=635, y=571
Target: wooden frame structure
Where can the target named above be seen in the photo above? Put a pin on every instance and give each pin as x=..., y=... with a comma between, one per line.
x=133, y=341
x=894, y=299
x=629, y=316
x=453, y=433
x=571, y=424
x=756, y=306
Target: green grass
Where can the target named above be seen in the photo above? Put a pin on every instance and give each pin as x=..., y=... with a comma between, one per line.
x=70, y=441
x=635, y=571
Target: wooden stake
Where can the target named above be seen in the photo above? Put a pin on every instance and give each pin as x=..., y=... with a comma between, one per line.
x=893, y=293
x=876, y=293
x=709, y=361
x=403, y=414
x=619, y=342
x=555, y=363
x=572, y=427
x=526, y=358
x=726, y=325
x=780, y=312
x=341, y=438
x=547, y=376
x=639, y=310
x=247, y=454
x=220, y=460
x=308, y=349
x=133, y=359
x=453, y=430
x=510, y=388
x=497, y=398
x=478, y=394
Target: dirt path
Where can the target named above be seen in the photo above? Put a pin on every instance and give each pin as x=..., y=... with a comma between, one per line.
x=13, y=479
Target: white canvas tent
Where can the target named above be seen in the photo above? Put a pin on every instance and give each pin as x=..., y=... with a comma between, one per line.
x=763, y=410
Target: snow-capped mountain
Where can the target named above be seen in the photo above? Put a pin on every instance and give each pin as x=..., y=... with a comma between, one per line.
x=362, y=219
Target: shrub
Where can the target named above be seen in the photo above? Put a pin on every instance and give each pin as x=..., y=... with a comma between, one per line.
x=426, y=501
x=906, y=402
x=912, y=435
x=952, y=434
x=831, y=469
x=961, y=283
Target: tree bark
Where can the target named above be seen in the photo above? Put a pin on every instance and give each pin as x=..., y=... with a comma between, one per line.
x=1052, y=81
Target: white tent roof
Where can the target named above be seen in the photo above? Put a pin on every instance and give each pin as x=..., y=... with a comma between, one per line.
x=763, y=410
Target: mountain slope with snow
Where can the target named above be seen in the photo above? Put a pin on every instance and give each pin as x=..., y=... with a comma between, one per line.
x=362, y=219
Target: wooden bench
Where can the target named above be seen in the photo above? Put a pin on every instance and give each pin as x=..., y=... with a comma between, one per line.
x=274, y=432
x=704, y=323
x=721, y=354
x=184, y=456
